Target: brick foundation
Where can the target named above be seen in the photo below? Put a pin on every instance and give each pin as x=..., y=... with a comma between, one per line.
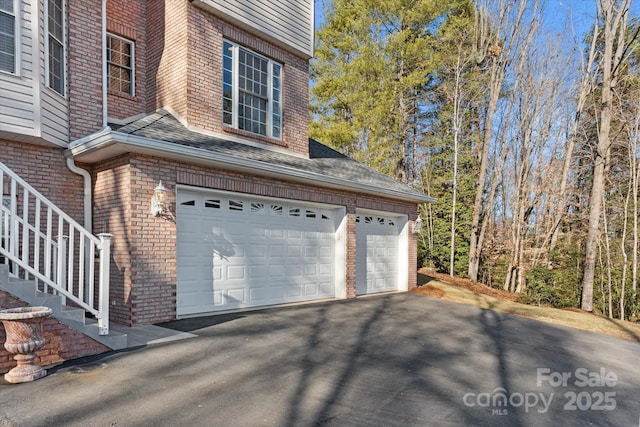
x=62, y=343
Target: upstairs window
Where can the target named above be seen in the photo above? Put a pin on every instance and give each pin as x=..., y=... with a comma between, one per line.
x=252, y=92
x=56, y=46
x=120, y=65
x=8, y=36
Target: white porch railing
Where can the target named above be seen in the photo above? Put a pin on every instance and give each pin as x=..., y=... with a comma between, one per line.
x=40, y=242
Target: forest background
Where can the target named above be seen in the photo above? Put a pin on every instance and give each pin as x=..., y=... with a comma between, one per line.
x=522, y=117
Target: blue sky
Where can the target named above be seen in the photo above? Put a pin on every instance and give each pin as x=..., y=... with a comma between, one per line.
x=558, y=14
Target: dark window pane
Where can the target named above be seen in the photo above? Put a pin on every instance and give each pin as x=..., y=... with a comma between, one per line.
x=7, y=43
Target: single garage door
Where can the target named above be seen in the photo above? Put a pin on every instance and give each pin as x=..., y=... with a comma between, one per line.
x=377, y=253
x=235, y=251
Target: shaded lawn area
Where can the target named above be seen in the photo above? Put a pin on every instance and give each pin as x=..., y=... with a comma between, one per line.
x=466, y=292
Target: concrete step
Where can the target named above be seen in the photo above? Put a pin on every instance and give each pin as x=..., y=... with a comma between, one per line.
x=72, y=313
x=4, y=273
x=73, y=317
x=119, y=336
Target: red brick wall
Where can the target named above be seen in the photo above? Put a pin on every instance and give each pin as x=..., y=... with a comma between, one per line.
x=413, y=253
x=44, y=168
x=351, y=250
x=178, y=49
x=167, y=55
x=85, y=67
x=153, y=274
x=112, y=214
x=127, y=18
x=185, y=56
x=205, y=60
x=61, y=342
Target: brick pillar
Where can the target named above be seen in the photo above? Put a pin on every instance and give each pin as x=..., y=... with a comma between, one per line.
x=351, y=252
x=85, y=67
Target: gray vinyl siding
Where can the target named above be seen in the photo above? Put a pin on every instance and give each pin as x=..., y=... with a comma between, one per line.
x=54, y=118
x=16, y=104
x=54, y=108
x=16, y=90
x=286, y=22
x=27, y=108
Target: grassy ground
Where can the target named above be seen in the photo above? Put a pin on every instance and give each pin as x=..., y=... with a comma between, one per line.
x=466, y=292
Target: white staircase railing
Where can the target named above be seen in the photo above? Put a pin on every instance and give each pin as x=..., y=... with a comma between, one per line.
x=40, y=242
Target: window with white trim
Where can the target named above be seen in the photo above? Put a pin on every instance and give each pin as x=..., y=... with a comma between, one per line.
x=251, y=91
x=120, y=64
x=56, y=45
x=8, y=38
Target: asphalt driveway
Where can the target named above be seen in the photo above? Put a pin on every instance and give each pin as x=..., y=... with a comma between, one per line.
x=388, y=360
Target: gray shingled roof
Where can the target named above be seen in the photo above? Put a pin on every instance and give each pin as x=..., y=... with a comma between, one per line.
x=323, y=160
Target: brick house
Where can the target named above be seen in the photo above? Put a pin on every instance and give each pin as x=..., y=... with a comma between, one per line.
x=103, y=101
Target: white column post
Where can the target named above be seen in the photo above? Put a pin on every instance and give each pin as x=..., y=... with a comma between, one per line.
x=103, y=284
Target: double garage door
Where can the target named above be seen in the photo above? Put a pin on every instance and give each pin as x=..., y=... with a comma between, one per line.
x=236, y=251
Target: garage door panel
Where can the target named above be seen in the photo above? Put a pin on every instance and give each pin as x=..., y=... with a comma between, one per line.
x=325, y=288
x=295, y=291
x=257, y=271
x=274, y=233
x=277, y=271
x=217, y=297
x=196, y=299
x=216, y=273
x=310, y=270
x=295, y=270
x=269, y=294
x=293, y=234
x=194, y=258
x=276, y=251
x=191, y=271
x=189, y=227
x=255, y=250
x=235, y=253
x=325, y=269
x=235, y=272
x=256, y=232
x=294, y=250
x=234, y=296
x=377, y=247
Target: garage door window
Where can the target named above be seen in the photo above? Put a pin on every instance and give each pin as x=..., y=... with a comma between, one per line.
x=257, y=208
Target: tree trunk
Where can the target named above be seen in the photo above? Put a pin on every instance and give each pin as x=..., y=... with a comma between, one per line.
x=623, y=249
x=456, y=135
x=595, y=210
x=614, y=19
x=635, y=173
x=517, y=23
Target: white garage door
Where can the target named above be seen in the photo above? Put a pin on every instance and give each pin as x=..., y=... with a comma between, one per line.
x=236, y=252
x=377, y=253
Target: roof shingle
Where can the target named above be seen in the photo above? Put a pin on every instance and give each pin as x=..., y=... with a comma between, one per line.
x=323, y=160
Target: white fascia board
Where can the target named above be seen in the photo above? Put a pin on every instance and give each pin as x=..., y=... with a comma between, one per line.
x=111, y=144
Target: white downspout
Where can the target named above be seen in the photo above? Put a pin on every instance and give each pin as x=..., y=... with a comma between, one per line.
x=105, y=128
x=87, y=191
x=104, y=64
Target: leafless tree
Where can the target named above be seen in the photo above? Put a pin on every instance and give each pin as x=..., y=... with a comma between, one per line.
x=612, y=15
x=501, y=45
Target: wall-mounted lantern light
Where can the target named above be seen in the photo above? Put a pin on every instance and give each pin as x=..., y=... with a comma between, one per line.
x=159, y=200
x=417, y=226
